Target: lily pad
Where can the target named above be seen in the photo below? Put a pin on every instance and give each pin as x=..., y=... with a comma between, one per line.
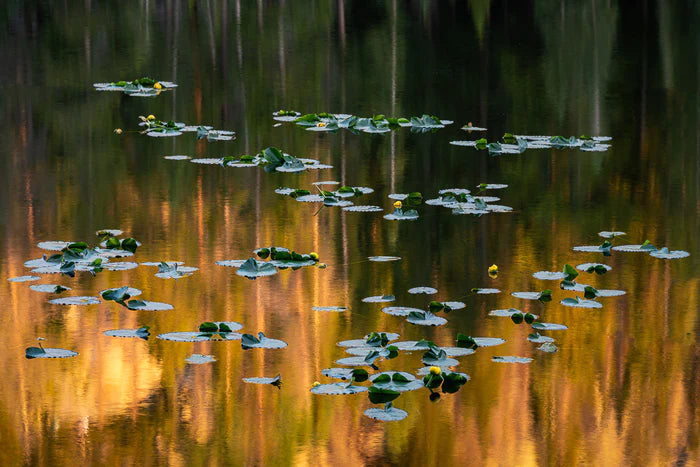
x=402, y=215
x=387, y=414
x=425, y=318
x=174, y=271
x=146, y=305
x=578, y=302
x=232, y=263
x=435, y=356
x=508, y=313
x=422, y=290
x=379, y=299
x=130, y=291
x=141, y=333
x=455, y=305
x=335, y=389
x=511, y=359
x=594, y=267
x=263, y=380
x=390, y=336
x=83, y=300
x=606, y=234
x=485, y=291
x=488, y=341
x=400, y=310
x=196, y=336
x=537, y=338
x=664, y=253
x=549, y=275
x=248, y=341
x=53, y=245
x=38, y=352
x=24, y=279
x=177, y=157
x=635, y=248
x=336, y=309
x=199, y=359
x=549, y=326
x=396, y=381
x=384, y=259
x=119, y=266
x=253, y=268
x=363, y=208
x=527, y=295
x=49, y=288
x=596, y=249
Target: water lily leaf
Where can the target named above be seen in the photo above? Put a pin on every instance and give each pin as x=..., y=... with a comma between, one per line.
x=83, y=300
x=391, y=336
x=49, y=288
x=37, y=352
x=337, y=309
x=510, y=313
x=664, y=253
x=24, y=279
x=549, y=275
x=590, y=268
x=177, y=157
x=511, y=359
x=485, y=291
x=453, y=381
x=570, y=273
x=400, y=310
x=382, y=396
x=276, y=381
x=119, y=266
x=606, y=234
x=363, y=208
x=435, y=356
x=248, y=341
x=141, y=333
x=425, y=319
x=199, y=359
x=334, y=389
x=379, y=299
x=539, y=339
x=549, y=327
x=189, y=336
x=580, y=303
x=384, y=259
x=488, y=341
x=387, y=414
x=401, y=214
x=253, y=268
x=117, y=295
x=395, y=381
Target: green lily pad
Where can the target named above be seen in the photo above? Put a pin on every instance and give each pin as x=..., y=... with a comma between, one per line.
x=455, y=305
x=49, y=288
x=485, y=291
x=549, y=326
x=606, y=234
x=382, y=396
x=590, y=268
x=539, y=339
x=391, y=336
x=488, y=341
x=119, y=266
x=53, y=245
x=548, y=347
x=401, y=214
x=396, y=381
x=578, y=302
x=425, y=318
x=549, y=275
x=435, y=356
x=146, y=305
x=363, y=208
x=388, y=414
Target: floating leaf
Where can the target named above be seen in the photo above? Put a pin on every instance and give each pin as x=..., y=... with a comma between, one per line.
x=549, y=275
x=39, y=352
x=395, y=381
x=382, y=396
x=363, y=208
x=539, y=339
x=580, y=303
x=24, y=279
x=400, y=214
x=400, y=310
x=511, y=359
x=387, y=414
x=253, y=268
x=337, y=309
x=53, y=245
x=379, y=299
x=276, y=381
x=548, y=347
x=606, y=234
x=425, y=318
x=485, y=291
x=488, y=341
x=335, y=389
x=141, y=332
x=384, y=259
x=248, y=341
x=590, y=268
x=49, y=288
x=199, y=359
x=549, y=327
x=664, y=253
x=75, y=301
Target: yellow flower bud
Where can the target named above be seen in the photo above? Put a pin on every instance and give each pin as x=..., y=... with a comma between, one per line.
x=158, y=86
x=314, y=255
x=316, y=384
x=321, y=124
x=151, y=117
x=118, y=131
x=398, y=205
x=435, y=370
x=493, y=269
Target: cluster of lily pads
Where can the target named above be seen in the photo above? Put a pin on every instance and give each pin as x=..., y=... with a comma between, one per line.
x=462, y=201
x=158, y=128
x=143, y=87
x=375, y=124
x=517, y=144
x=386, y=386
x=607, y=247
x=279, y=258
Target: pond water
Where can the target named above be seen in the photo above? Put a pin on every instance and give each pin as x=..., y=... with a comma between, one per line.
x=623, y=387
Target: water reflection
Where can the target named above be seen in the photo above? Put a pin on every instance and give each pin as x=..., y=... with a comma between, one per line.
x=621, y=390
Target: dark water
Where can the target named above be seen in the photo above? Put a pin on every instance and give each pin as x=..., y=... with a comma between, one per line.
x=624, y=387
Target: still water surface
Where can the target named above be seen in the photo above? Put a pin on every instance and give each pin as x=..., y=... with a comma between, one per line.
x=624, y=387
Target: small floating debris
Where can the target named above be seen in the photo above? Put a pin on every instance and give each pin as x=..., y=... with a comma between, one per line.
x=548, y=347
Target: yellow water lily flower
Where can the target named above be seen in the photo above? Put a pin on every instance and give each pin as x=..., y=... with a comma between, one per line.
x=321, y=124
x=398, y=205
x=316, y=384
x=435, y=370
x=118, y=131
x=493, y=269
x=158, y=86
x=314, y=255
x=151, y=117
